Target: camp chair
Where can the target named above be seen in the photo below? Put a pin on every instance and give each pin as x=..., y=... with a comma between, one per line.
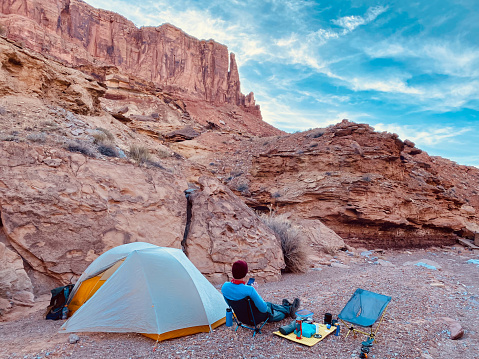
x=246, y=314
x=364, y=309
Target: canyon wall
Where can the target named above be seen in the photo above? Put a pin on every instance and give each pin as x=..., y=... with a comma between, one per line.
x=75, y=33
x=370, y=187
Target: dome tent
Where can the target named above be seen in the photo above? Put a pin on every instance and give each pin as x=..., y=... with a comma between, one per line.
x=143, y=288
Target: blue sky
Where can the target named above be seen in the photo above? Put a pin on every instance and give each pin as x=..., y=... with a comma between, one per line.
x=408, y=67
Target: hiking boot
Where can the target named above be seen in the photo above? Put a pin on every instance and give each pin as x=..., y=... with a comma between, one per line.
x=294, y=308
x=286, y=303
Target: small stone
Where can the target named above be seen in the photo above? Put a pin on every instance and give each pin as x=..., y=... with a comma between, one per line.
x=77, y=132
x=366, y=253
x=456, y=331
x=73, y=338
x=339, y=265
x=384, y=263
x=455, y=328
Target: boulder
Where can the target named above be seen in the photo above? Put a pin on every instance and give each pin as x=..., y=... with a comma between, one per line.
x=14, y=281
x=223, y=229
x=319, y=236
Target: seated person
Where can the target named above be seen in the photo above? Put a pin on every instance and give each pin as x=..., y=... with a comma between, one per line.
x=237, y=290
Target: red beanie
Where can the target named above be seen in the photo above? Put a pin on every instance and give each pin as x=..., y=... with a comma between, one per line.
x=239, y=270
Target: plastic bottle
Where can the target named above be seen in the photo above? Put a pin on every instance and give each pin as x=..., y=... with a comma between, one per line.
x=65, y=312
x=229, y=317
x=337, y=330
x=299, y=329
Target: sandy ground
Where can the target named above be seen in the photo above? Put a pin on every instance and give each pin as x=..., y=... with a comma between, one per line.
x=412, y=328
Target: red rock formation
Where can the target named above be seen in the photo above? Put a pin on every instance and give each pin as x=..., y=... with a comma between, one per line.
x=60, y=209
x=371, y=188
x=78, y=34
x=22, y=72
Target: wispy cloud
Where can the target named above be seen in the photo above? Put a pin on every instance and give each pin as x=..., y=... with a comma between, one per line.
x=350, y=23
x=393, y=85
x=424, y=136
x=438, y=56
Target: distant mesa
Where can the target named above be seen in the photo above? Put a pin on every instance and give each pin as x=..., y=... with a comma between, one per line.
x=77, y=34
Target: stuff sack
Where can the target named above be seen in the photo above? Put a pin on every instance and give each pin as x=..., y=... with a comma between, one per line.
x=58, y=301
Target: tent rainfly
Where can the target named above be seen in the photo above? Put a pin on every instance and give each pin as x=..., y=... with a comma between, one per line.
x=143, y=288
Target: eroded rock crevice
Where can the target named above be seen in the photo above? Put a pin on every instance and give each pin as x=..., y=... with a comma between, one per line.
x=189, y=205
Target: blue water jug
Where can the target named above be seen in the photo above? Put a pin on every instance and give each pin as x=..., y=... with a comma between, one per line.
x=229, y=317
x=337, y=330
x=65, y=312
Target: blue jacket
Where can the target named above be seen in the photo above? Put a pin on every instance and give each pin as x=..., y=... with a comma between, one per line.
x=233, y=291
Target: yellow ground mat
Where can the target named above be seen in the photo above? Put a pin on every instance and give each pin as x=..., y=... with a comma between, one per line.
x=323, y=330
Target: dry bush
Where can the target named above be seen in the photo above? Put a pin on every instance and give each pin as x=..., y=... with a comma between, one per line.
x=103, y=136
x=108, y=150
x=293, y=243
x=37, y=137
x=80, y=147
x=99, y=138
x=7, y=137
x=163, y=153
x=107, y=133
x=139, y=153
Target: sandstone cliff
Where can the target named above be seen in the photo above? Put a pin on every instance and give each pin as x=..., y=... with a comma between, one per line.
x=77, y=34
x=371, y=188
x=70, y=187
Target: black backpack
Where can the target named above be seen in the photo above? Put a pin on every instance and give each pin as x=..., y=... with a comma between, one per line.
x=58, y=301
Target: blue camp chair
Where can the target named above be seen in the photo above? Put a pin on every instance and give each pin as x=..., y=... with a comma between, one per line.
x=246, y=314
x=364, y=309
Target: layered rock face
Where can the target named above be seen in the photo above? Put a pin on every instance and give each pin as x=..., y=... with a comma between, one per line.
x=75, y=33
x=61, y=210
x=369, y=187
x=22, y=72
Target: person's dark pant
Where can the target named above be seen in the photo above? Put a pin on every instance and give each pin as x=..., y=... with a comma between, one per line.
x=277, y=312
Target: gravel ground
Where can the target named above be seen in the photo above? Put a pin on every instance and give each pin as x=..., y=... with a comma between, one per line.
x=412, y=328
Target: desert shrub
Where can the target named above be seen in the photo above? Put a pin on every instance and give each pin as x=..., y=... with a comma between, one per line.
x=7, y=137
x=163, y=153
x=154, y=164
x=139, y=153
x=107, y=133
x=37, y=137
x=80, y=148
x=367, y=178
x=108, y=150
x=293, y=242
x=103, y=137
x=99, y=138
x=242, y=187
